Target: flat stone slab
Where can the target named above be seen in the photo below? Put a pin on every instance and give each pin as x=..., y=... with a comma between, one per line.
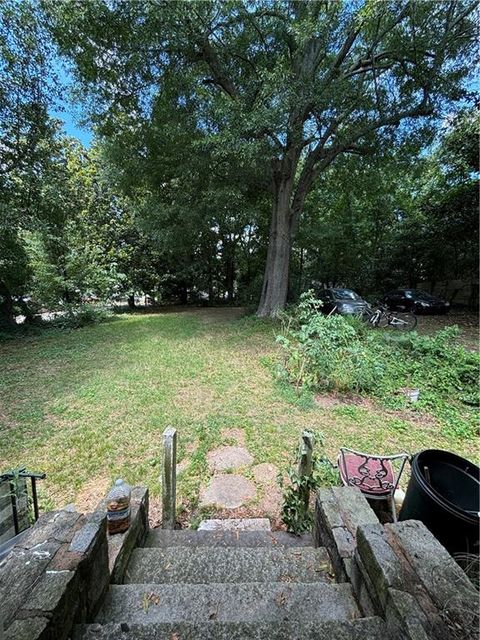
x=228, y=491
x=228, y=565
x=360, y=629
x=228, y=457
x=252, y=602
x=235, y=524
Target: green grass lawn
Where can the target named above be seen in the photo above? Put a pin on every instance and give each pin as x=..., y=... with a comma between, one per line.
x=90, y=405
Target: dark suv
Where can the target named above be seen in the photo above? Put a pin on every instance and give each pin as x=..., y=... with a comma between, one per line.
x=343, y=301
x=415, y=301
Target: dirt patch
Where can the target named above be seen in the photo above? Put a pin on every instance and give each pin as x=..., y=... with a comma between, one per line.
x=181, y=466
x=332, y=400
x=154, y=513
x=191, y=447
x=265, y=473
x=92, y=493
x=270, y=503
x=409, y=415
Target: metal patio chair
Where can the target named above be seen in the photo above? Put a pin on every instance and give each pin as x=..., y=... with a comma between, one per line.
x=375, y=476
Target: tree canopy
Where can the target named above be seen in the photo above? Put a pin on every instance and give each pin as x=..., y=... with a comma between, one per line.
x=243, y=149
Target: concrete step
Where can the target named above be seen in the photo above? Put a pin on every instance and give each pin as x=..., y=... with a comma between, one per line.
x=201, y=565
x=191, y=538
x=362, y=629
x=252, y=602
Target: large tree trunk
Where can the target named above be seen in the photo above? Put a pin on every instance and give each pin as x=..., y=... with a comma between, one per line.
x=275, y=280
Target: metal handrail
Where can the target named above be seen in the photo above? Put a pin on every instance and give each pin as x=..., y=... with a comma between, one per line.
x=10, y=476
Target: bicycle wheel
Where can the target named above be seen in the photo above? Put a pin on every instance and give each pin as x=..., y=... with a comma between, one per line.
x=365, y=315
x=403, y=321
x=370, y=318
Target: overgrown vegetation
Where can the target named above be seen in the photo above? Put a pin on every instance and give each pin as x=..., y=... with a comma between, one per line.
x=345, y=356
x=297, y=514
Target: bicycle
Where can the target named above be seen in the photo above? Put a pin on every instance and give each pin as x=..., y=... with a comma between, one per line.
x=381, y=316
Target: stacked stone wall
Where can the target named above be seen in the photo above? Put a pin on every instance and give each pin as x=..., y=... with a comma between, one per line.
x=58, y=574
x=398, y=571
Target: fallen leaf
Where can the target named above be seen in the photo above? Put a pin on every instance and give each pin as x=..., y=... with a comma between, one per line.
x=148, y=599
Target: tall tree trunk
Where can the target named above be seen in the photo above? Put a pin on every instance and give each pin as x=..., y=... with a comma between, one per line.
x=211, y=296
x=6, y=307
x=275, y=280
x=230, y=270
x=131, y=301
x=183, y=294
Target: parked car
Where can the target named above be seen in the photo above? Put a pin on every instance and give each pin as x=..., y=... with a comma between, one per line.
x=343, y=301
x=416, y=301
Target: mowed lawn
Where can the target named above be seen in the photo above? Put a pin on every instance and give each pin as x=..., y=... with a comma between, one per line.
x=90, y=405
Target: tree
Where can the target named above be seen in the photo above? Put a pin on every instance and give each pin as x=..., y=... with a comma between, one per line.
x=349, y=225
x=448, y=201
x=26, y=139
x=296, y=83
x=377, y=222
x=200, y=203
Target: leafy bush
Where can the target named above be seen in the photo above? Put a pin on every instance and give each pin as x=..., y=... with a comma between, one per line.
x=330, y=352
x=76, y=316
x=344, y=355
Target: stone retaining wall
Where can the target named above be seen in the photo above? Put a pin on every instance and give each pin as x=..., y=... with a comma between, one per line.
x=59, y=572
x=398, y=571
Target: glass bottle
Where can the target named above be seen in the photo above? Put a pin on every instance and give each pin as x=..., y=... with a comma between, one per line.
x=118, y=507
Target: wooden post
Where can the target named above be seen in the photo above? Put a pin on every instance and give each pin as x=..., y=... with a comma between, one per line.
x=169, y=478
x=305, y=463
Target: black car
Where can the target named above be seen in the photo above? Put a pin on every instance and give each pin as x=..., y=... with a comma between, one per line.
x=416, y=301
x=343, y=301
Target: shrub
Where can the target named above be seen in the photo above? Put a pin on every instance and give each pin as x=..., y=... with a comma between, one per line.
x=330, y=352
x=76, y=316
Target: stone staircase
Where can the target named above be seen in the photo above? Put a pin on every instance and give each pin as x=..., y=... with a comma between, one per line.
x=235, y=585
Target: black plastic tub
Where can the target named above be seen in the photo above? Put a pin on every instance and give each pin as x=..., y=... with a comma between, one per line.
x=444, y=493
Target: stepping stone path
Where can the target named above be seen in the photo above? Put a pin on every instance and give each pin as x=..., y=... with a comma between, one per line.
x=230, y=491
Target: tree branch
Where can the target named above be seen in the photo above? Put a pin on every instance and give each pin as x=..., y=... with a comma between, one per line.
x=320, y=157
x=208, y=55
